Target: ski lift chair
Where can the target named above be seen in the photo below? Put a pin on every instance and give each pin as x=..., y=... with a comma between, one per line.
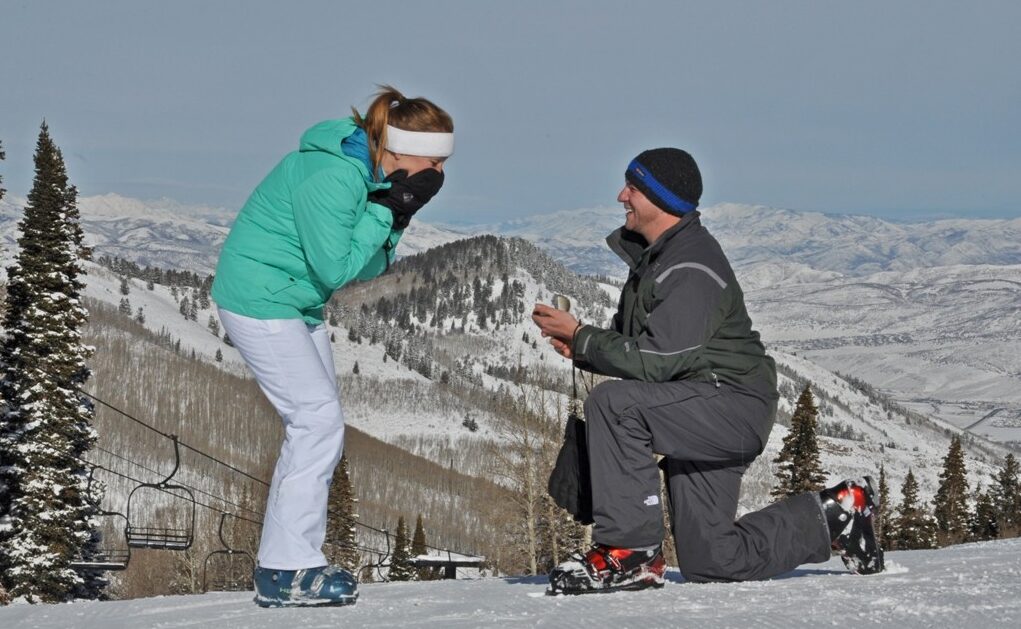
x=383, y=557
x=152, y=535
x=232, y=568
x=105, y=558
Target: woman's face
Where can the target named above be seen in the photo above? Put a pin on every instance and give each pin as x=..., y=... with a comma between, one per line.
x=412, y=163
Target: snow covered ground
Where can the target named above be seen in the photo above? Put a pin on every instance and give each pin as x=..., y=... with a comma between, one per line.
x=972, y=585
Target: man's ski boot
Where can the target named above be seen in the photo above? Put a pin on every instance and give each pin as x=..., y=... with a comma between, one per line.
x=313, y=587
x=849, y=509
x=608, y=569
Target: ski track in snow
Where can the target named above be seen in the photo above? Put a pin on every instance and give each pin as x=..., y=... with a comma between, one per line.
x=971, y=585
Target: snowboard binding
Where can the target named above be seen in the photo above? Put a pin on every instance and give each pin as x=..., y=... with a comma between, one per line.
x=606, y=569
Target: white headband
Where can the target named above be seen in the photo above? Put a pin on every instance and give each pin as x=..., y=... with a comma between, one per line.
x=420, y=143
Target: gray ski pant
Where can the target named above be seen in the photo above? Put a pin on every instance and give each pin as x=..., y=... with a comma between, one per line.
x=709, y=436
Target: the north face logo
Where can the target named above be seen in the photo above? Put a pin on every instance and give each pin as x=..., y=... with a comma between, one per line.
x=651, y=501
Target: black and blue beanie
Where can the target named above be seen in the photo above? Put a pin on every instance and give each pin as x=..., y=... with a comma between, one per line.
x=668, y=177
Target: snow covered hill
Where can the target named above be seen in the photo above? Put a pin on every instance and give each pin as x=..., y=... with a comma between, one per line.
x=752, y=235
x=171, y=235
x=944, y=341
x=926, y=311
x=972, y=585
x=421, y=414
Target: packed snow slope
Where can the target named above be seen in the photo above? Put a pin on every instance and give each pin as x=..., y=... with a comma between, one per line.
x=972, y=585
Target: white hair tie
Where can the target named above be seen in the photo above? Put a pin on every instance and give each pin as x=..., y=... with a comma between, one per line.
x=420, y=143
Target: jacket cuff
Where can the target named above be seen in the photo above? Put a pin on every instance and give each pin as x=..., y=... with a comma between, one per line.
x=580, y=342
x=381, y=213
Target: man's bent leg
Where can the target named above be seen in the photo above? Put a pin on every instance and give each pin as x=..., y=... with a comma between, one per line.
x=625, y=480
x=626, y=422
x=711, y=546
x=710, y=435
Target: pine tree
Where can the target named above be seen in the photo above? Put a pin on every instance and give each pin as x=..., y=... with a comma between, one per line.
x=125, y=287
x=125, y=307
x=951, y=502
x=800, y=469
x=140, y=316
x=367, y=574
x=418, y=548
x=356, y=370
x=46, y=502
x=214, y=326
x=341, y=519
x=983, y=523
x=883, y=512
x=219, y=355
x=1006, y=495
x=401, y=568
x=914, y=528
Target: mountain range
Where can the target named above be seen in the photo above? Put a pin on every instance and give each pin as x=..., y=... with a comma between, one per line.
x=927, y=312
x=416, y=371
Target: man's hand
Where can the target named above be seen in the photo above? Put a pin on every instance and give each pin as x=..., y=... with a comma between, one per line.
x=557, y=325
x=562, y=348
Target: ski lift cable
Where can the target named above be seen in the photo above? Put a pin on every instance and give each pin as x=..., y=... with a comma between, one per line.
x=210, y=457
x=169, y=436
x=231, y=467
x=185, y=485
x=444, y=550
x=166, y=491
x=217, y=510
x=238, y=506
x=220, y=511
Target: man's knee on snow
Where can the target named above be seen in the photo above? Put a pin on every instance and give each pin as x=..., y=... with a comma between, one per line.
x=704, y=570
x=709, y=560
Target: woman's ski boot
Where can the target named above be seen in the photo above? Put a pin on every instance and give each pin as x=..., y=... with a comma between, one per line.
x=312, y=587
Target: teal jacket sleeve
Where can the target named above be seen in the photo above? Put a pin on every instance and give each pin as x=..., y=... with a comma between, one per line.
x=338, y=237
x=686, y=314
x=383, y=258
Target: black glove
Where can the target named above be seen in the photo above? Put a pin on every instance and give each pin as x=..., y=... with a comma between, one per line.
x=570, y=484
x=406, y=195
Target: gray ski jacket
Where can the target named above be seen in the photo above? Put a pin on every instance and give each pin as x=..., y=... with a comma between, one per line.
x=681, y=316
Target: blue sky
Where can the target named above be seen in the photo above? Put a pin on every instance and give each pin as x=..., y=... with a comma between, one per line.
x=904, y=110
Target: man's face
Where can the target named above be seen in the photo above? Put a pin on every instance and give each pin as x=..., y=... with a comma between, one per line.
x=639, y=211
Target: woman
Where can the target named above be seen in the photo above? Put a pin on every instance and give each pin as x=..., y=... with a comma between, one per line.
x=328, y=213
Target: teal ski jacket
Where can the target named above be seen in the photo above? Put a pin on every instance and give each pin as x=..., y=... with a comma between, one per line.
x=305, y=231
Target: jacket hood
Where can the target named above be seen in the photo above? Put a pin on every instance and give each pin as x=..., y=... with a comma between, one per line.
x=327, y=136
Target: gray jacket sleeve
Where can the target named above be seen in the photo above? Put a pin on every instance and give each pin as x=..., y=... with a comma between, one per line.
x=689, y=303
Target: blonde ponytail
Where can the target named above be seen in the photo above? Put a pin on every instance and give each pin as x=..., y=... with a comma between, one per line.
x=390, y=107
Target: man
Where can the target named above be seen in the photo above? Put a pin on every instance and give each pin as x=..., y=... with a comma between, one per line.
x=696, y=386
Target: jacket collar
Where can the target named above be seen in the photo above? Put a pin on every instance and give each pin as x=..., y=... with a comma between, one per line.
x=632, y=247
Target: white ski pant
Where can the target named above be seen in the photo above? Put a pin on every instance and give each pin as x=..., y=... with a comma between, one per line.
x=293, y=364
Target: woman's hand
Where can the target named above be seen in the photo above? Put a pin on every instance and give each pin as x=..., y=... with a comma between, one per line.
x=406, y=195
